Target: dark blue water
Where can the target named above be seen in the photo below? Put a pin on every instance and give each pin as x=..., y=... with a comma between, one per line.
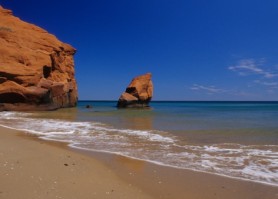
x=233, y=139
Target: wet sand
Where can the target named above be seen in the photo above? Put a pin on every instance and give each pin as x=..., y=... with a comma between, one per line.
x=167, y=183
x=33, y=168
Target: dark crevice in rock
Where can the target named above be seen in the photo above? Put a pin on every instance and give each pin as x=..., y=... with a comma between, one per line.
x=52, y=61
x=12, y=97
x=7, y=75
x=46, y=71
x=2, y=79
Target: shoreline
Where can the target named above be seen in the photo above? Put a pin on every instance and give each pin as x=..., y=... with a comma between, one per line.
x=33, y=168
x=135, y=177
x=100, y=154
x=94, y=154
x=168, y=182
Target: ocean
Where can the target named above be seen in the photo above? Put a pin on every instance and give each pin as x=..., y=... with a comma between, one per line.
x=232, y=139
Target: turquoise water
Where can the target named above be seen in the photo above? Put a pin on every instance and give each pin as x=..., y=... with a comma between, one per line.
x=254, y=122
x=233, y=139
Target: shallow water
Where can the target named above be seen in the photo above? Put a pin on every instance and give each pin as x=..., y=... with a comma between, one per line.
x=234, y=139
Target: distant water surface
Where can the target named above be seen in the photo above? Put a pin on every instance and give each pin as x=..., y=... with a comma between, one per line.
x=234, y=139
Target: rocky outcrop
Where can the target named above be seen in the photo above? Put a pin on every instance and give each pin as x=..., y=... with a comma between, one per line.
x=138, y=93
x=36, y=69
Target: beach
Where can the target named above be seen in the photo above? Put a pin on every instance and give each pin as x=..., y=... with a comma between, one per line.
x=35, y=168
x=31, y=168
x=124, y=99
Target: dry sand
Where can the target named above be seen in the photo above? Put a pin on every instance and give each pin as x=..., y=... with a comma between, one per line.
x=32, y=168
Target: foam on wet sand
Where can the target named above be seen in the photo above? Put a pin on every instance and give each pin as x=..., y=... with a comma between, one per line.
x=33, y=168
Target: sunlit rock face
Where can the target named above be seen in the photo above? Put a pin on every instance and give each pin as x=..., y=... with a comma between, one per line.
x=36, y=69
x=138, y=93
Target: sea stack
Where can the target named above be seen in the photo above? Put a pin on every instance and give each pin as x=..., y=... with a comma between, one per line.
x=36, y=69
x=138, y=94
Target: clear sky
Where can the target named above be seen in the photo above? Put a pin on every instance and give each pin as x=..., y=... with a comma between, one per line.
x=195, y=49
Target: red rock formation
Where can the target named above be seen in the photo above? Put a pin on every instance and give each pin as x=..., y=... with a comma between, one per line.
x=138, y=93
x=36, y=69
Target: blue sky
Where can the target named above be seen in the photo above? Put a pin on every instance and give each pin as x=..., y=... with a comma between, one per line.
x=195, y=49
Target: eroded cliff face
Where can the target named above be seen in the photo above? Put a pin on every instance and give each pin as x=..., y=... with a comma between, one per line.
x=138, y=94
x=36, y=69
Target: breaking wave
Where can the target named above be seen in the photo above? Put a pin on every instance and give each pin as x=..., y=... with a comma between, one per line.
x=257, y=163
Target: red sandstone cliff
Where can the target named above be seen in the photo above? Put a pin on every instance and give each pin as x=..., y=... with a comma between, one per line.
x=138, y=93
x=36, y=69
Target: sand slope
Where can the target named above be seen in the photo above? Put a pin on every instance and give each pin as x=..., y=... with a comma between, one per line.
x=34, y=169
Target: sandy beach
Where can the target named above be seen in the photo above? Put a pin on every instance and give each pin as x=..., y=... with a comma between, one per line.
x=152, y=100
x=34, y=168
x=37, y=169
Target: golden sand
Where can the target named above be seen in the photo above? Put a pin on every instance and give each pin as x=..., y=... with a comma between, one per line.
x=33, y=168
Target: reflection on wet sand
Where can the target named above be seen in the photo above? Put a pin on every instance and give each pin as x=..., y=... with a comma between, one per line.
x=130, y=164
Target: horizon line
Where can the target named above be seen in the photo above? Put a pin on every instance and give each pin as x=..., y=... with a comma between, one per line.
x=188, y=100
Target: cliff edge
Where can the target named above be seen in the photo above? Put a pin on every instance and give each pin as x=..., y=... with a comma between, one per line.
x=36, y=69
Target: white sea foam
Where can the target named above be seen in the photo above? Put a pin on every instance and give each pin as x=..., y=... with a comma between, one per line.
x=255, y=163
